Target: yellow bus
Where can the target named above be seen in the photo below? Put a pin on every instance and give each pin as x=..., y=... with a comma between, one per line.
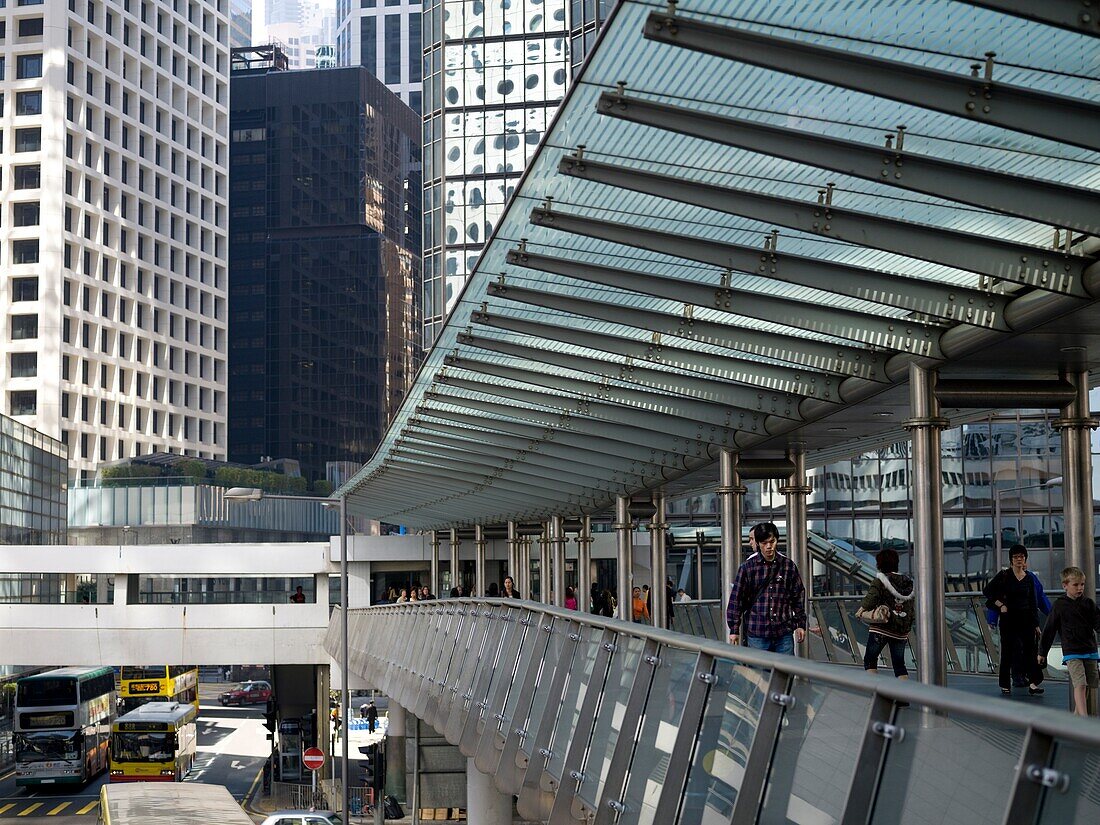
x=158, y=683
x=154, y=743
x=188, y=804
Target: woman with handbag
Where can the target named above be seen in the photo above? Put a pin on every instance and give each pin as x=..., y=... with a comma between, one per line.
x=888, y=610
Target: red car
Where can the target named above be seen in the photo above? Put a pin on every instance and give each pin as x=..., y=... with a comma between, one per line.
x=249, y=693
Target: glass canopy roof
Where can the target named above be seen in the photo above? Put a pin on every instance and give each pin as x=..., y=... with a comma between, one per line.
x=746, y=221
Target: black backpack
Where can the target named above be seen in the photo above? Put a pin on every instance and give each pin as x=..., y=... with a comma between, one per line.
x=391, y=809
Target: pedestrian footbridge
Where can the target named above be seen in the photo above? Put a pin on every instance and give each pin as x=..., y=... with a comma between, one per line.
x=598, y=720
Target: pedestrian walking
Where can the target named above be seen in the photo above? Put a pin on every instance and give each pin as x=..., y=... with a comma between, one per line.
x=639, y=607
x=768, y=596
x=895, y=591
x=1016, y=596
x=372, y=716
x=1075, y=619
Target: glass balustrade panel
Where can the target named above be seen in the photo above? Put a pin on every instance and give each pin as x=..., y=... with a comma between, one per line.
x=1078, y=799
x=581, y=677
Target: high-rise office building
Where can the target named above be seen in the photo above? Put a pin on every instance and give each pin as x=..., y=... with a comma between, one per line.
x=300, y=28
x=114, y=225
x=495, y=73
x=325, y=260
x=240, y=23
x=383, y=36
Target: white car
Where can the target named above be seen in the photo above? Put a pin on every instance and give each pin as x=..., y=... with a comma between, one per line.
x=300, y=817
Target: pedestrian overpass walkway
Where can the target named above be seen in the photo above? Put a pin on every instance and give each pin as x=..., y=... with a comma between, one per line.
x=585, y=718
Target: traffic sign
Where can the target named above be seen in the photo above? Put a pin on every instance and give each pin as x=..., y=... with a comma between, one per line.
x=313, y=758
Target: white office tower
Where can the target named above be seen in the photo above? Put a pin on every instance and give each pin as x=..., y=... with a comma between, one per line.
x=113, y=228
x=384, y=37
x=301, y=27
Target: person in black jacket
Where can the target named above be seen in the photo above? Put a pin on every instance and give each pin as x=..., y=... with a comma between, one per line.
x=1013, y=594
x=1076, y=619
x=895, y=590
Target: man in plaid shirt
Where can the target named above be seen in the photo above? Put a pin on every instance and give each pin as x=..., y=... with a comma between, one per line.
x=769, y=595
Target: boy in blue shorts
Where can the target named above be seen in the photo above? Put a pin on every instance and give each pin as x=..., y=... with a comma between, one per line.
x=1075, y=619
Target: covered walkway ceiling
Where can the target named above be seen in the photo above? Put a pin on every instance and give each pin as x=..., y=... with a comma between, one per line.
x=746, y=221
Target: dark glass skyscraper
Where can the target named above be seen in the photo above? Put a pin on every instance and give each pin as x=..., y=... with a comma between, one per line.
x=324, y=261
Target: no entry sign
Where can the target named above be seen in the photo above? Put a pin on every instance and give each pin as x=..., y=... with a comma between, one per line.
x=313, y=758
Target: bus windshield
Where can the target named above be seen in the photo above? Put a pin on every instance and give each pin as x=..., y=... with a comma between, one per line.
x=45, y=746
x=132, y=672
x=44, y=692
x=143, y=747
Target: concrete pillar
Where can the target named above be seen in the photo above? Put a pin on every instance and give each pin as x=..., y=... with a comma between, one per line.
x=1075, y=423
x=584, y=563
x=730, y=498
x=658, y=561
x=544, y=565
x=485, y=805
x=395, y=752
x=924, y=426
x=624, y=555
x=479, y=564
x=798, y=547
x=436, y=583
x=456, y=543
x=557, y=549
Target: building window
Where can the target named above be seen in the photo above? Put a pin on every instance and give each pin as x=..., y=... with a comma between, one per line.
x=368, y=45
x=30, y=27
x=28, y=140
x=24, y=402
x=26, y=213
x=24, y=327
x=25, y=251
x=28, y=65
x=28, y=177
x=393, y=48
x=24, y=289
x=28, y=103
x=24, y=364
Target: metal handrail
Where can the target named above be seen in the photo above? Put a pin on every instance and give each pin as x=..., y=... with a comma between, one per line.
x=476, y=670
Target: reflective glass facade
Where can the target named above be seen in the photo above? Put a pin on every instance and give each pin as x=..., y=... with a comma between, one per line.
x=325, y=277
x=35, y=470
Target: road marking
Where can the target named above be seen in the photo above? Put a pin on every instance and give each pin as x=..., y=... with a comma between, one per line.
x=59, y=809
x=7, y=807
x=90, y=806
x=31, y=809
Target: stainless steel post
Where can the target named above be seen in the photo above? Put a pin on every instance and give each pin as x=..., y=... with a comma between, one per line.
x=544, y=564
x=924, y=426
x=557, y=548
x=344, y=653
x=513, y=554
x=700, y=540
x=798, y=548
x=435, y=563
x=456, y=543
x=730, y=491
x=658, y=561
x=1075, y=423
x=584, y=564
x=479, y=563
x=624, y=546
x=525, y=567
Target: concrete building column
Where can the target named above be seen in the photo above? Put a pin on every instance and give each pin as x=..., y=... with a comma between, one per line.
x=479, y=564
x=1075, y=424
x=730, y=499
x=436, y=583
x=584, y=564
x=395, y=752
x=658, y=561
x=456, y=544
x=924, y=426
x=624, y=556
x=544, y=564
x=485, y=805
x=798, y=548
x=557, y=549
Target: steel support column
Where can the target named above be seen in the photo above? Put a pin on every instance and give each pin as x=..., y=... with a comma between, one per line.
x=624, y=556
x=557, y=549
x=924, y=426
x=456, y=543
x=435, y=580
x=545, y=564
x=479, y=564
x=584, y=564
x=658, y=561
x=524, y=584
x=730, y=492
x=513, y=554
x=1075, y=424
x=798, y=548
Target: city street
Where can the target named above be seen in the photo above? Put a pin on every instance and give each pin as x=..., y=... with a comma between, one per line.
x=232, y=748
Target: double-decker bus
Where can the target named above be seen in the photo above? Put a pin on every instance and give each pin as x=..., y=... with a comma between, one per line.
x=154, y=743
x=188, y=804
x=158, y=683
x=62, y=725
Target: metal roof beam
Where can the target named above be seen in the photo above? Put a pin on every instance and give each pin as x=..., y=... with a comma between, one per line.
x=1050, y=203
x=587, y=407
x=1074, y=15
x=609, y=447
x=514, y=494
x=976, y=97
x=586, y=426
x=940, y=300
x=842, y=359
x=741, y=370
x=1048, y=269
x=903, y=335
x=755, y=402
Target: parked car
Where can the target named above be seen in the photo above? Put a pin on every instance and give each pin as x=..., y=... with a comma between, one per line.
x=304, y=818
x=249, y=693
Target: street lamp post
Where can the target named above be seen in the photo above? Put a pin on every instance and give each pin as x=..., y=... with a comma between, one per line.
x=999, y=545
x=236, y=495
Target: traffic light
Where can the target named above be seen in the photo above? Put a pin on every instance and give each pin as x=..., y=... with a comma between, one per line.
x=271, y=716
x=374, y=767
